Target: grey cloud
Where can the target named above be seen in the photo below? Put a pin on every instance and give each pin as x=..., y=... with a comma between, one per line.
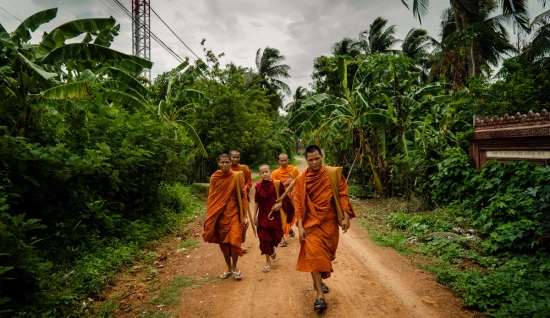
x=300, y=29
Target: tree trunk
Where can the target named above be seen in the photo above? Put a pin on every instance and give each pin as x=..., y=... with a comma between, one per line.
x=466, y=20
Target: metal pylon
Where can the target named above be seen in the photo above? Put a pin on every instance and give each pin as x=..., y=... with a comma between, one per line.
x=141, y=31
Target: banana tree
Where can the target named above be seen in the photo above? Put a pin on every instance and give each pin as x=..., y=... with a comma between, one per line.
x=344, y=120
x=31, y=73
x=171, y=109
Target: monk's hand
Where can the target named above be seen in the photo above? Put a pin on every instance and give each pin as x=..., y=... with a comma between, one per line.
x=302, y=235
x=256, y=220
x=288, y=181
x=276, y=206
x=345, y=222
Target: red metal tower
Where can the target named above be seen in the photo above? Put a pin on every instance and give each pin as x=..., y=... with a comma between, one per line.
x=141, y=31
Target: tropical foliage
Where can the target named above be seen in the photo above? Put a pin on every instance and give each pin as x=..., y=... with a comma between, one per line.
x=93, y=162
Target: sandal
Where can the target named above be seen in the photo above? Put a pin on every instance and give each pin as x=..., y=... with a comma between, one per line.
x=238, y=275
x=324, y=287
x=267, y=269
x=291, y=233
x=225, y=275
x=319, y=305
x=273, y=256
x=283, y=244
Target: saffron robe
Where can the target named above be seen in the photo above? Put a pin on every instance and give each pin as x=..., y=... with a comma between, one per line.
x=321, y=207
x=283, y=174
x=224, y=214
x=270, y=232
x=247, y=175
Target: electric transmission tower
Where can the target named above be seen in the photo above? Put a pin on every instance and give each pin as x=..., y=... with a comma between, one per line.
x=141, y=31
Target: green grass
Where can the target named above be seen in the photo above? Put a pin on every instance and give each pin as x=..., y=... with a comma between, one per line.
x=189, y=243
x=108, y=308
x=396, y=240
x=172, y=292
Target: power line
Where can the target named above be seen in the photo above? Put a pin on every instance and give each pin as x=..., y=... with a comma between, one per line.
x=154, y=36
x=11, y=14
x=115, y=11
x=174, y=33
x=160, y=42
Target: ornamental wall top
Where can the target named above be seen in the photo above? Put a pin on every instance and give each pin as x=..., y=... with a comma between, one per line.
x=519, y=120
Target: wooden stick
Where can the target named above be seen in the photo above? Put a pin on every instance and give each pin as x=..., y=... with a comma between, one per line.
x=287, y=191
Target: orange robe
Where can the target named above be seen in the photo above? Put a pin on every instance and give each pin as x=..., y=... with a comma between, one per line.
x=223, y=225
x=283, y=174
x=314, y=204
x=247, y=175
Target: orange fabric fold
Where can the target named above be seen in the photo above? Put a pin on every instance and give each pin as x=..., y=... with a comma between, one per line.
x=314, y=204
x=222, y=225
x=283, y=174
x=247, y=175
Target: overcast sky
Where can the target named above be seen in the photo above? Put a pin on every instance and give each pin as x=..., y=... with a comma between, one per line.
x=300, y=29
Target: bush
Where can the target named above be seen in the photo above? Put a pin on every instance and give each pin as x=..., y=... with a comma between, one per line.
x=79, y=196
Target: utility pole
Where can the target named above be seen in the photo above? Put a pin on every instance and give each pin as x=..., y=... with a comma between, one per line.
x=141, y=31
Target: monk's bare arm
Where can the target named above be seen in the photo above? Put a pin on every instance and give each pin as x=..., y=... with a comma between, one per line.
x=255, y=208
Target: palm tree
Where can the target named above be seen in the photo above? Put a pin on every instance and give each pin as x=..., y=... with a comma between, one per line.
x=347, y=46
x=468, y=13
x=299, y=96
x=516, y=10
x=538, y=51
x=487, y=41
x=376, y=39
x=270, y=70
x=416, y=45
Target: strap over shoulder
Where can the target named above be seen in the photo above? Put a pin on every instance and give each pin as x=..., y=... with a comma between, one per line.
x=239, y=182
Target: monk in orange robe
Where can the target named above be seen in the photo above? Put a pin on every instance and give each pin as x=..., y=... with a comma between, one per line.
x=226, y=214
x=235, y=157
x=236, y=166
x=286, y=173
x=321, y=204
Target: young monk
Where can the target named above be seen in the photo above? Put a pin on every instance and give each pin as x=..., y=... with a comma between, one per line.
x=267, y=214
x=322, y=204
x=286, y=173
x=236, y=166
x=226, y=214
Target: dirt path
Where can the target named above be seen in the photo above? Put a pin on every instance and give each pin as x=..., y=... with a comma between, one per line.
x=368, y=281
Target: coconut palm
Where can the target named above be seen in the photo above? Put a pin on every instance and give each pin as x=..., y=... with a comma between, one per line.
x=514, y=10
x=377, y=39
x=469, y=14
x=270, y=72
x=416, y=45
x=300, y=95
x=487, y=48
x=538, y=51
x=347, y=46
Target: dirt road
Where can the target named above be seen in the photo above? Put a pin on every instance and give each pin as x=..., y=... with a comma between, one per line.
x=368, y=281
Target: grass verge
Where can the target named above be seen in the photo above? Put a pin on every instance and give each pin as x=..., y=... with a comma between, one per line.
x=443, y=242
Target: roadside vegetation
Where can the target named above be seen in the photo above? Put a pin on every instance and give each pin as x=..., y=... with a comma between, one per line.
x=97, y=163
